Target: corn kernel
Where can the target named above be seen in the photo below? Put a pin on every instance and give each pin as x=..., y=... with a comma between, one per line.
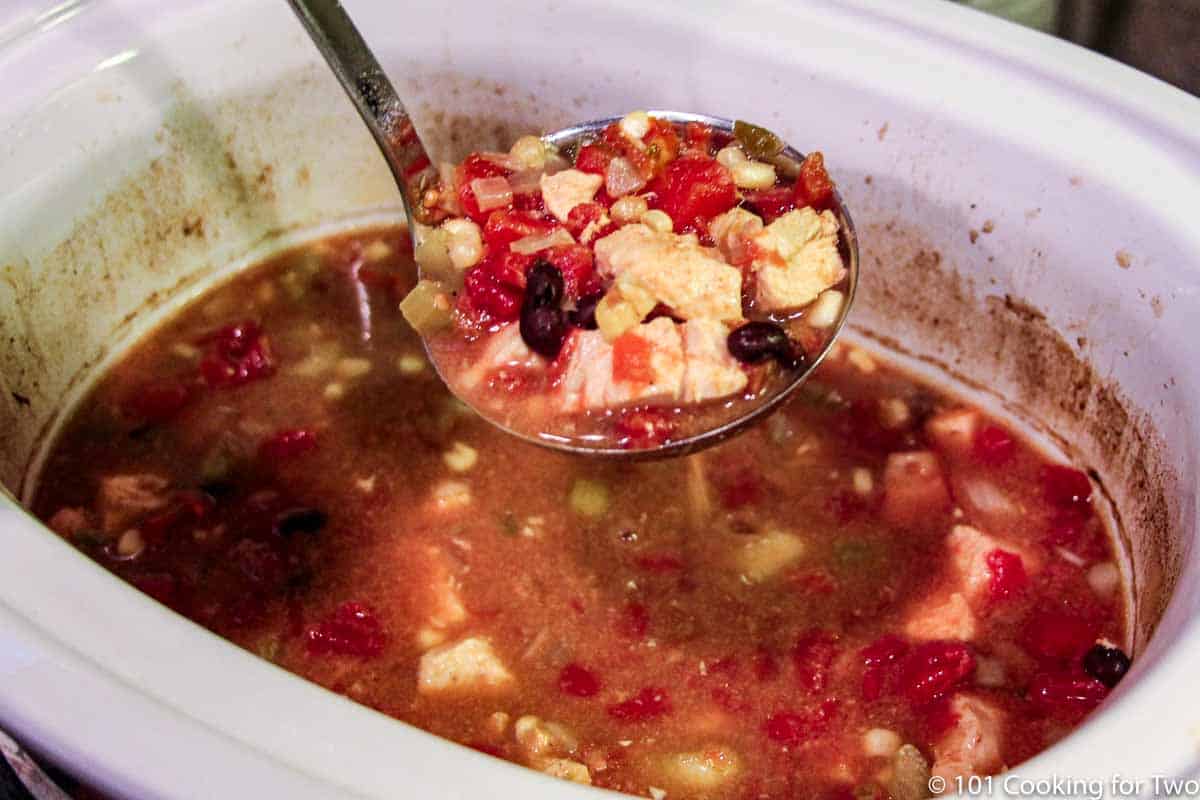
x=658, y=221
x=628, y=209
x=411, y=364
x=460, y=457
x=377, y=251
x=881, y=742
x=529, y=152
x=753, y=175
x=729, y=157
x=635, y=125
x=864, y=484
x=465, y=246
x=334, y=391
x=351, y=368
x=451, y=495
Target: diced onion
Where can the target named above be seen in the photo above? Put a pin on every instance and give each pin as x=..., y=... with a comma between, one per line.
x=503, y=160
x=988, y=498
x=492, y=193
x=541, y=241
x=526, y=181
x=621, y=178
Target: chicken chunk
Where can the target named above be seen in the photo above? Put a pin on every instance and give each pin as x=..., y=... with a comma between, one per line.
x=595, y=377
x=124, y=498
x=470, y=665
x=709, y=370
x=941, y=617
x=682, y=275
x=734, y=234
x=973, y=745
x=799, y=259
x=969, y=550
x=953, y=431
x=564, y=190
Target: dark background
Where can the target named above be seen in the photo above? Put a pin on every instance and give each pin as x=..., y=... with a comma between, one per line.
x=1161, y=37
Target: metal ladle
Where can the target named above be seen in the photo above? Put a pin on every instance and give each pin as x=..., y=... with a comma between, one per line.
x=360, y=74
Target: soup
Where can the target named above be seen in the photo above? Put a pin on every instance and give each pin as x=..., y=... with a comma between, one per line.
x=876, y=586
x=652, y=283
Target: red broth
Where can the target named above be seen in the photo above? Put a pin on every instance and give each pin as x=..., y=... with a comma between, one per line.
x=832, y=605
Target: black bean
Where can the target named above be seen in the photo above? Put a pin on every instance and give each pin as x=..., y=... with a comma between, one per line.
x=543, y=329
x=584, y=315
x=1106, y=664
x=301, y=520
x=755, y=342
x=543, y=285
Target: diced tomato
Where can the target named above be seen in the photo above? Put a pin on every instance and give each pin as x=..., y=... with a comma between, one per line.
x=741, y=488
x=1068, y=695
x=507, y=267
x=594, y=158
x=771, y=204
x=1065, y=487
x=352, y=630
x=475, y=166
x=697, y=139
x=765, y=665
x=578, y=269
x=643, y=427
x=157, y=401
x=635, y=621
x=660, y=563
x=1008, y=574
x=813, y=185
x=1057, y=635
x=287, y=444
x=237, y=354
x=791, y=729
x=503, y=227
x=935, y=668
x=692, y=191
x=881, y=663
x=813, y=658
x=498, y=300
x=587, y=215
x=1065, y=529
x=578, y=681
x=631, y=359
x=994, y=446
x=647, y=704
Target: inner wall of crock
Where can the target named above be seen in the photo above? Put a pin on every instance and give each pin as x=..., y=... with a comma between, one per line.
x=164, y=168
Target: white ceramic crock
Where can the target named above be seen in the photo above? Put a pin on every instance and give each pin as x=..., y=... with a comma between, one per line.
x=1027, y=217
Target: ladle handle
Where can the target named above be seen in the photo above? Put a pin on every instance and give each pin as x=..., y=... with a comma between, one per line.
x=330, y=28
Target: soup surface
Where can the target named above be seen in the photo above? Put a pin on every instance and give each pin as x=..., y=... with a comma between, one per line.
x=876, y=585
